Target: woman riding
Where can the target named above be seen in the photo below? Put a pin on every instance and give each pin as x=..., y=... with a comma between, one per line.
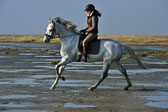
x=91, y=30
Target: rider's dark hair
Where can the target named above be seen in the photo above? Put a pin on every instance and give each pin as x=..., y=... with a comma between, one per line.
x=97, y=13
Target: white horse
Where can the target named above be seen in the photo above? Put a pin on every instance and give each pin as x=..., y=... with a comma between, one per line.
x=110, y=50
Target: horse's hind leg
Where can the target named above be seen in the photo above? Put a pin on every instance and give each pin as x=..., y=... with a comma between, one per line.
x=124, y=72
x=105, y=73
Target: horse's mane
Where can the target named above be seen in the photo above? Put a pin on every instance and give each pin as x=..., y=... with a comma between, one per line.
x=68, y=24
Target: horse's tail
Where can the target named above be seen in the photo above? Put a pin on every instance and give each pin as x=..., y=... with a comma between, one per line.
x=130, y=51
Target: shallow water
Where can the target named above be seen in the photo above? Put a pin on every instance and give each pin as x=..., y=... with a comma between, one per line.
x=11, y=104
x=20, y=70
x=33, y=84
x=130, y=72
x=150, y=47
x=14, y=96
x=19, y=81
x=152, y=84
x=161, y=100
x=27, y=54
x=48, y=67
x=158, y=104
x=23, y=111
x=47, y=56
x=72, y=105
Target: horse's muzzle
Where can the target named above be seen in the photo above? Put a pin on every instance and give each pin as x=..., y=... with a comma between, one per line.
x=46, y=40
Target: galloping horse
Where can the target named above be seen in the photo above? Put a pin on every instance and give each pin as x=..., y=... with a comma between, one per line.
x=110, y=50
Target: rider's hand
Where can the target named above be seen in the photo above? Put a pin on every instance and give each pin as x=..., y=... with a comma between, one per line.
x=82, y=31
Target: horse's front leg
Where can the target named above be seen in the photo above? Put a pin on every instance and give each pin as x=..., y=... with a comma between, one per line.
x=59, y=70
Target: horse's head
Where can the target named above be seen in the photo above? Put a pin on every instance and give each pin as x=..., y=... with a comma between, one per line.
x=51, y=31
x=61, y=28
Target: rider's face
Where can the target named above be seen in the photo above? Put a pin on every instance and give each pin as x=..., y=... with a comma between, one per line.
x=89, y=12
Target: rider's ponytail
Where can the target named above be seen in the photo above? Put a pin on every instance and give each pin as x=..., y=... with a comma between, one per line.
x=97, y=13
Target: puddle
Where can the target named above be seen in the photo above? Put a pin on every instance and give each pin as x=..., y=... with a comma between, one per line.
x=83, y=64
x=23, y=111
x=130, y=72
x=72, y=105
x=75, y=81
x=74, y=85
x=41, y=62
x=156, y=98
x=20, y=70
x=47, y=76
x=73, y=68
x=11, y=104
x=46, y=56
x=147, y=71
x=160, y=63
x=14, y=96
x=150, y=47
x=52, y=60
x=74, y=91
x=2, y=56
x=113, y=77
x=92, y=71
x=21, y=81
x=98, y=64
x=27, y=54
x=158, y=104
x=152, y=84
x=48, y=67
x=106, y=87
x=160, y=101
x=43, y=76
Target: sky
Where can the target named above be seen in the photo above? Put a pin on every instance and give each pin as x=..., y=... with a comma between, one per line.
x=119, y=17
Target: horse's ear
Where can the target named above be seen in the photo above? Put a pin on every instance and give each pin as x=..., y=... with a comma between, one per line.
x=49, y=20
x=52, y=21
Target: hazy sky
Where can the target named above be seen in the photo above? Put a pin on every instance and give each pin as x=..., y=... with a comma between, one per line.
x=118, y=16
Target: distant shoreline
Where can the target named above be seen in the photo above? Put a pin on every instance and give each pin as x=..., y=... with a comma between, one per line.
x=124, y=39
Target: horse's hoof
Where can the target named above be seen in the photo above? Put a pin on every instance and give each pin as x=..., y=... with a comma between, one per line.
x=90, y=89
x=52, y=87
x=126, y=88
x=63, y=78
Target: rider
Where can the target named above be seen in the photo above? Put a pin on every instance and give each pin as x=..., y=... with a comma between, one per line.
x=92, y=29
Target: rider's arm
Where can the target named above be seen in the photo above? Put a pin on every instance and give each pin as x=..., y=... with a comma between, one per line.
x=84, y=30
x=94, y=25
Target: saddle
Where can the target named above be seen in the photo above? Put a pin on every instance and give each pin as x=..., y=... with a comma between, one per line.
x=92, y=48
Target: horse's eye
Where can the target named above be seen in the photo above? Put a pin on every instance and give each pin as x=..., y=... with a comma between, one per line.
x=50, y=30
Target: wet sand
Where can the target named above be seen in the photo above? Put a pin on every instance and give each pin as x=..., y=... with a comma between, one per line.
x=25, y=79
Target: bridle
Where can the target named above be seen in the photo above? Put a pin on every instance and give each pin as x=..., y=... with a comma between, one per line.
x=53, y=34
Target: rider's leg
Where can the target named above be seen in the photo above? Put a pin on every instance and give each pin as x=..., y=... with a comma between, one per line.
x=80, y=46
x=86, y=41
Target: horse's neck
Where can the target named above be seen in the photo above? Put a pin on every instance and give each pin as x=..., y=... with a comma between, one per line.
x=69, y=39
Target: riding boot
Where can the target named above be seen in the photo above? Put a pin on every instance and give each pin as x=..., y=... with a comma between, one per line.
x=80, y=57
x=85, y=53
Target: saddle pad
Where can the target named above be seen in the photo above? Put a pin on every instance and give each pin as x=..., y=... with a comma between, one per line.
x=94, y=47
